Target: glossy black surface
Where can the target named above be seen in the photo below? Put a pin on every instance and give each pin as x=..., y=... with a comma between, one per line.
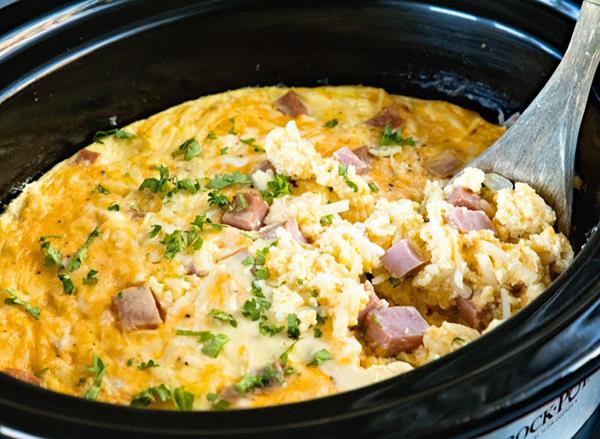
x=131, y=59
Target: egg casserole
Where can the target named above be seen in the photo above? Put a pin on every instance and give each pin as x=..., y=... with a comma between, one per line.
x=264, y=246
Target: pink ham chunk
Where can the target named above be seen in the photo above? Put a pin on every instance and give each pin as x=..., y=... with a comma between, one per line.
x=388, y=116
x=291, y=104
x=364, y=155
x=347, y=157
x=374, y=302
x=466, y=220
x=86, y=156
x=137, y=308
x=402, y=258
x=249, y=217
x=462, y=197
x=443, y=165
x=472, y=315
x=396, y=329
x=292, y=227
x=290, y=224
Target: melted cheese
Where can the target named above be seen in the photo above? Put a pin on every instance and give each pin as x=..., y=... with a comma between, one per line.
x=64, y=203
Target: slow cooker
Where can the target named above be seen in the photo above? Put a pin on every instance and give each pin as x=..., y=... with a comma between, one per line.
x=67, y=69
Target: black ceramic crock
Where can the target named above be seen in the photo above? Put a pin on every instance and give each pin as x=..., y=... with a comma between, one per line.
x=65, y=68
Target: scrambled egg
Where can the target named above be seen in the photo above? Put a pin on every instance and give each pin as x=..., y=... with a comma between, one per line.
x=253, y=318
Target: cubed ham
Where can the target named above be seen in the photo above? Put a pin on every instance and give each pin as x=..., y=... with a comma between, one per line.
x=472, y=315
x=364, y=155
x=443, y=165
x=291, y=226
x=347, y=157
x=388, y=116
x=396, y=329
x=265, y=165
x=291, y=104
x=402, y=258
x=249, y=211
x=374, y=302
x=466, y=220
x=23, y=375
x=137, y=308
x=86, y=156
x=462, y=197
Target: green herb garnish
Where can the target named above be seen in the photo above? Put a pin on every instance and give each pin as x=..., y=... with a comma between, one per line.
x=190, y=149
x=293, y=330
x=278, y=187
x=394, y=137
x=212, y=343
x=91, y=277
x=148, y=364
x=68, y=286
x=216, y=402
x=101, y=190
x=224, y=317
x=81, y=254
x=52, y=256
x=98, y=368
x=222, y=181
x=321, y=357
x=156, y=228
x=13, y=299
x=118, y=133
x=114, y=207
x=331, y=123
x=326, y=220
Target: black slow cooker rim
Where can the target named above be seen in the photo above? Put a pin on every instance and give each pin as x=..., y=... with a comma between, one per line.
x=584, y=260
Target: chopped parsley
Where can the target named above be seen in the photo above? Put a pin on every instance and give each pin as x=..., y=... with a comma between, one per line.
x=101, y=190
x=98, y=368
x=374, y=188
x=216, y=402
x=278, y=187
x=269, y=374
x=284, y=355
x=391, y=137
x=293, y=329
x=326, y=220
x=130, y=362
x=212, y=343
x=255, y=308
x=182, y=399
x=148, y=364
x=224, y=150
x=154, y=185
x=219, y=200
x=320, y=357
x=222, y=181
x=185, y=185
x=190, y=149
x=262, y=273
x=114, y=207
x=331, y=123
x=270, y=330
x=118, y=133
x=317, y=332
x=248, y=141
x=201, y=220
x=174, y=243
x=232, y=129
x=81, y=254
x=52, y=256
x=343, y=171
x=13, y=299
x=156, y=228
x=91, y=277
x=68, y=286
x=211, y=135
x=224, y=317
